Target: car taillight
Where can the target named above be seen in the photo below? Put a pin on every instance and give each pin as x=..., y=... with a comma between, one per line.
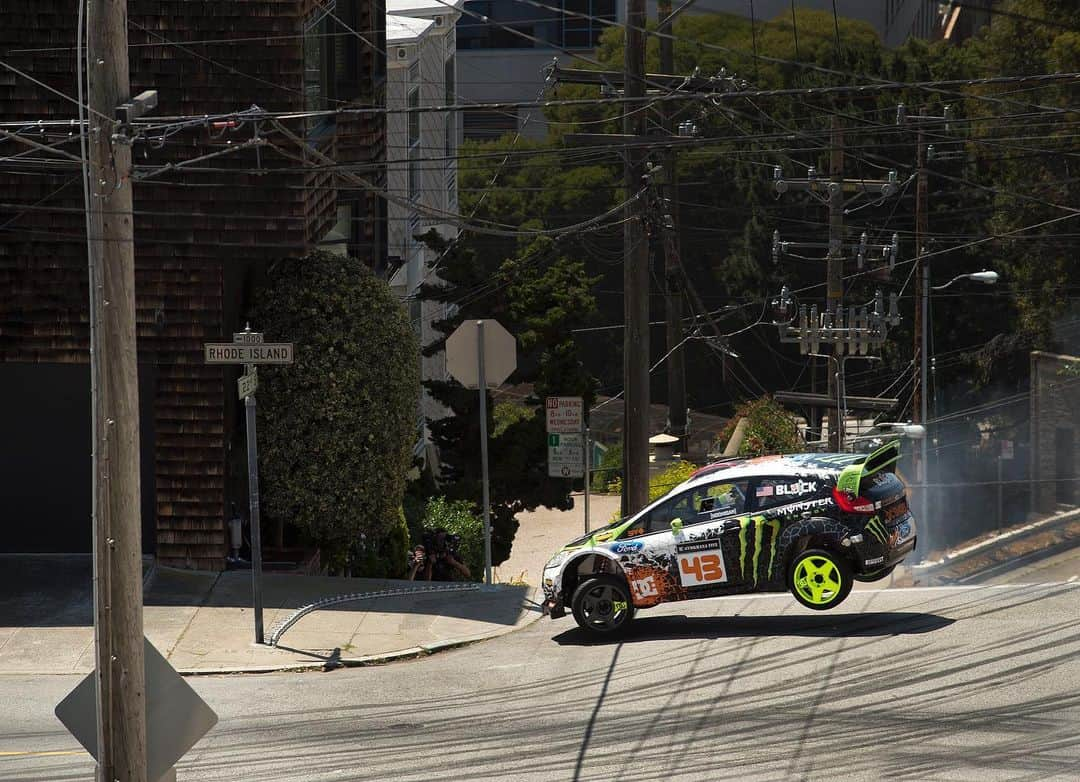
x=849, y=503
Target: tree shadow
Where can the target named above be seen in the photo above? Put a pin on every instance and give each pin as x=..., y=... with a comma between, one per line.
x=662, y=628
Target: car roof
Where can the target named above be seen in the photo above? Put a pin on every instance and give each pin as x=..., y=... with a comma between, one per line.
x=796, y=464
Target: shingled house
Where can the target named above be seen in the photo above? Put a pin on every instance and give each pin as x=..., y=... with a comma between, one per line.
x=204, y=229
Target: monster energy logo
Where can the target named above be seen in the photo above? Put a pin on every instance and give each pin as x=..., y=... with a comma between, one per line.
x=749, y=563
x=877, y=529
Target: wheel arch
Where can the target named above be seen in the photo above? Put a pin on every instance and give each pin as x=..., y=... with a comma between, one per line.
x=819, y=532
x=586, y=564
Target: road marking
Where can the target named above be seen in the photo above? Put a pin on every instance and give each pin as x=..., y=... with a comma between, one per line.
x=42, y=754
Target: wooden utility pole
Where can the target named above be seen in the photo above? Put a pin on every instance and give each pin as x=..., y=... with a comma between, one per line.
x=635, y=494
x=118, y=622
x=835, y=268
x=676, y=362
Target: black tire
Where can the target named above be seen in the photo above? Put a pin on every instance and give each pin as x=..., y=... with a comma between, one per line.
x=602, y=605
x=877, y=575
x=820, y=579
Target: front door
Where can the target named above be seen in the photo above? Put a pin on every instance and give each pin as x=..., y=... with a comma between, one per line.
x=678, y=544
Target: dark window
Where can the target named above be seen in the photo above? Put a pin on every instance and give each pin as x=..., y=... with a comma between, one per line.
x=522, y=26
x=483, y=125
x=694, y=506
x=783, y=490
x=451, y=81
x=319, y=65
x=414, y=143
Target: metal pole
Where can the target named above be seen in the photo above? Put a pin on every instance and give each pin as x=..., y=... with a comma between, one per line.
x=588, y=475
x=253, y=504
x=119, y=663
x=1001, y=498
x=922, y=284
x=484, y=448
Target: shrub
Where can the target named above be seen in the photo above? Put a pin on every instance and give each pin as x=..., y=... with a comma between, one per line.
x=336, y=428
x=607, y=477
x=770, y=429
x=458, y=517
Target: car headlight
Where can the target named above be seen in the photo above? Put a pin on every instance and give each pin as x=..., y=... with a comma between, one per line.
x=557, y=560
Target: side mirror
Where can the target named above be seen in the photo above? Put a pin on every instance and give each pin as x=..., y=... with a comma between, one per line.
x=676, y=526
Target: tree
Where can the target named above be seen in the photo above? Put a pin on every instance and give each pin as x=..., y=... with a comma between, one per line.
x=770, y=428
x=538, y=288
x=336, y=428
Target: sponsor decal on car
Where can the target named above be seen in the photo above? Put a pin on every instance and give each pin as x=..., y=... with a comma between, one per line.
x=701, y=563
x=874, y=561
x=627, y=547
x=797, y=488
x=796, y=508
x=877, y=529
x=748, y=563
x=644, y=587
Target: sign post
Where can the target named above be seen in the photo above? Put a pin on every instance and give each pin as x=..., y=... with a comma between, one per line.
x=481, y=354
x=588, y=474
x=249, y=348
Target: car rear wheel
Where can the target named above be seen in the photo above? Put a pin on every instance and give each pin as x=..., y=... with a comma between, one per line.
x=820, y=579
x=602, y=605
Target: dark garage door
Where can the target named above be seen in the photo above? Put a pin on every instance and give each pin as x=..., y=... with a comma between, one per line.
x=45, y=457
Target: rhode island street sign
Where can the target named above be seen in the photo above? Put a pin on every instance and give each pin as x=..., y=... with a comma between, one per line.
x=232, y=353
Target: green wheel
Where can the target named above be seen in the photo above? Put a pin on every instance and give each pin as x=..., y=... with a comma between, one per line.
x=602, y=605
x=820, y=579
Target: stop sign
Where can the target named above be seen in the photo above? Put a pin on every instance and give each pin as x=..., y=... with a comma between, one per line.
x=463, y=353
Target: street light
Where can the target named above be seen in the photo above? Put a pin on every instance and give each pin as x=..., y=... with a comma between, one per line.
x=986, y=277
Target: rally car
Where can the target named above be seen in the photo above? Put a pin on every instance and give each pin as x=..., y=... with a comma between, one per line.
x=808, y=523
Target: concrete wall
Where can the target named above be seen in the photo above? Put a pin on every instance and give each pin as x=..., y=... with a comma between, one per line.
x=1055, y=431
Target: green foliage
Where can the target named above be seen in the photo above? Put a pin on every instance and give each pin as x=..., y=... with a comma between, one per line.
x=336, y=427
x=770, y=429
x=457, y=517
x=607, y=477
x=663, y=482
x=670, y=477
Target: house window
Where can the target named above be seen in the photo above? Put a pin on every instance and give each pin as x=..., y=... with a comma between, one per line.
x=414, y=143
x=484, y=125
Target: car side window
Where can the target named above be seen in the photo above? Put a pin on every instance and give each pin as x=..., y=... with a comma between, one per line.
x=694, y=506
x=782, y=490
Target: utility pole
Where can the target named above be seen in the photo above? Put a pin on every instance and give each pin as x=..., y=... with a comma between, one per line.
x=118, y=625
x=635, y=493
x=922, y=285
x=676, y=362
x=835, y=268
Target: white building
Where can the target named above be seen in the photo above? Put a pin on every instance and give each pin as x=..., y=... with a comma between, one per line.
x=421, y=157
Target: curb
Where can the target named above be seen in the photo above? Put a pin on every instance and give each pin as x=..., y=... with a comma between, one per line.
x=410, y=653
x=944, y=571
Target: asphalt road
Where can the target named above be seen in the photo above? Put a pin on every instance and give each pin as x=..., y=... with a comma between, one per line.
x=978, y=683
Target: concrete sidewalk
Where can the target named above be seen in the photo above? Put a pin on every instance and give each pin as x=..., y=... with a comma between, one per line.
x=202, y=622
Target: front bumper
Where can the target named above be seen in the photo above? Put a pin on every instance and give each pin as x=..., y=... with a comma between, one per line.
x=553, y=604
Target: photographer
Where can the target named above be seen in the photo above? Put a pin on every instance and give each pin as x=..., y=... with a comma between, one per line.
x=444, y=564
x=417, y=561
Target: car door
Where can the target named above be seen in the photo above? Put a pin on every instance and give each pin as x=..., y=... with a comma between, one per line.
x=685, y=559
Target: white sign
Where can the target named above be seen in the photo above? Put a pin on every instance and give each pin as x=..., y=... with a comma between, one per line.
x=247, y=384
x=247, y=337
x=564, y=414
x=566, y=455
x=462, y=354
x=176, y=717
x=1006, y=449
x=230, y=353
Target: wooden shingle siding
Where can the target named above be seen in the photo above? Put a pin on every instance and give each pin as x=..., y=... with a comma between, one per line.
x=192, y=228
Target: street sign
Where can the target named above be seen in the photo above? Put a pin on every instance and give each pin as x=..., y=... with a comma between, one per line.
x=247, y=384
x=565, y=414
x=176, y=717
x=462, y=354
x=247, y=337
x=566, y=455
x=231, y=353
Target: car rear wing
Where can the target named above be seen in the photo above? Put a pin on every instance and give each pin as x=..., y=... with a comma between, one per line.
x=884, y=457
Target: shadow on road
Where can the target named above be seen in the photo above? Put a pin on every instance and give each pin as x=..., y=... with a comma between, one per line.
x=660, y=628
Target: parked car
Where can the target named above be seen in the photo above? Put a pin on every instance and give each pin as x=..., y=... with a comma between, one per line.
x=809, y=523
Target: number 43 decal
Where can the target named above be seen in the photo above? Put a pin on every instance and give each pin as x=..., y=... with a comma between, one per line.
x=700, y=569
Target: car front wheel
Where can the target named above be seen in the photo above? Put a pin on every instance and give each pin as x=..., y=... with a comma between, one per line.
x=602, y=605
x=820, y=579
